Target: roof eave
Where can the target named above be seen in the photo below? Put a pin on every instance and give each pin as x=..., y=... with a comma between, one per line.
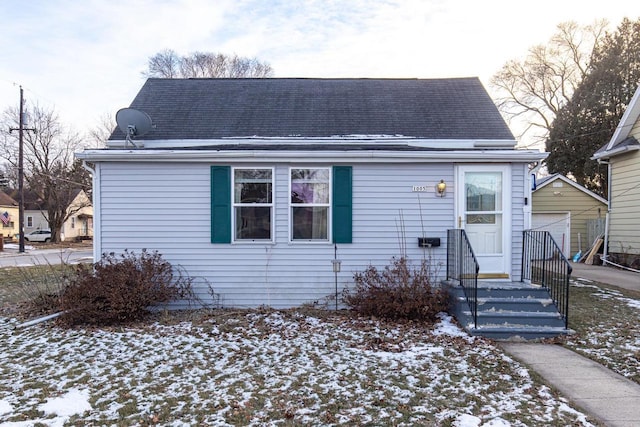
x=314, y=156
x=606, y=154
x=629, y=118
x=574, y=184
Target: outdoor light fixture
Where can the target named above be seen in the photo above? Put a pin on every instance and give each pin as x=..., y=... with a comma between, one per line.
x=441, y=188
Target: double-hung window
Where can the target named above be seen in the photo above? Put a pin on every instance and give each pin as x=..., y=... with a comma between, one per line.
x=242, y=207
x=310, y=203
x=253, y=204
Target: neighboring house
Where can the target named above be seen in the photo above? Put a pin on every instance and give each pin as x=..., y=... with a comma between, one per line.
x=622, y=155
x=78, y=225
x=255, y=185
x=9, y=215
x=567, y=210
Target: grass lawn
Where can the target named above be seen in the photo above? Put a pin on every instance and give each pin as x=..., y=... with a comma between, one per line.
x=292, y=367
x=607, y=324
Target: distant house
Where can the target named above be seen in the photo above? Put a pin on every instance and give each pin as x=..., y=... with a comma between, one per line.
x=9, y=214
x=78, y=225
x=622, y=155
x=567, y=210
x=256, y=185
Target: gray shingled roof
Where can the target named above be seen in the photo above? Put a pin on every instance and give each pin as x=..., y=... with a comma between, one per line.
x=628, y=142
x=458, y=108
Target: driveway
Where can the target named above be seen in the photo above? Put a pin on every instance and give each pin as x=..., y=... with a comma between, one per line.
x=608, y=275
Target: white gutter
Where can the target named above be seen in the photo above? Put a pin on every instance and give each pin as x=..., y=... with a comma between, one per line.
x=614, y=152
x=97, y=217
x=311, y=156
x=527, y=207
x=605, y=251
x=88, y=168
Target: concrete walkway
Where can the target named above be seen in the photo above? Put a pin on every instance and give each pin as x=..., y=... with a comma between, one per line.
x=607, y=396
x=600, y=392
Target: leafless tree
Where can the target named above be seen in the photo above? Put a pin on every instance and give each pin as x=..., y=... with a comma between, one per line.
x=99, y=134
x=164, y=64
x=50, y=170
x=168, y=64
x=533, y=90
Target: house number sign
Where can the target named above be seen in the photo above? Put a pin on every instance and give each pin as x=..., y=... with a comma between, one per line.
x=420, y=188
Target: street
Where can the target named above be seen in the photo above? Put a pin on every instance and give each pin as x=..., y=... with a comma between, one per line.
x=10, y=257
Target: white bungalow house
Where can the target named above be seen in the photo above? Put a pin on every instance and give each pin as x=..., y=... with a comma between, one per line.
x=257, y=185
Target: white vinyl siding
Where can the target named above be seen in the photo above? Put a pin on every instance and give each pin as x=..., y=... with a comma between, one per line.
x=167, y=206
x=624, y=232
x=519, y=190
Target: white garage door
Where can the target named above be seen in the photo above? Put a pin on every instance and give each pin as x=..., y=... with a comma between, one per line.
x=558, y=224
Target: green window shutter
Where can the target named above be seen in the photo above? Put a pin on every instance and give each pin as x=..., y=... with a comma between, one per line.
x=342, y=204
x=220, y=204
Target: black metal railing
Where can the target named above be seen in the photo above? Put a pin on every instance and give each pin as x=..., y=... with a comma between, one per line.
x=463, y=267
x=544, y=264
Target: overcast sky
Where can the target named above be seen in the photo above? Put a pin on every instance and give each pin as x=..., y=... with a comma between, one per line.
x=85, y=57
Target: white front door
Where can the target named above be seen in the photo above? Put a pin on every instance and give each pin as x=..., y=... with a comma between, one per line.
x=484, y=212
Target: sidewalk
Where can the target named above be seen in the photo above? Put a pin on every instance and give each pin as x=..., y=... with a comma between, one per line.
x=607, y=396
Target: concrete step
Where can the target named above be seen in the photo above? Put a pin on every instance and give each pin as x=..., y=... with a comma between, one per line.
x=516, y=334
x=519, y=318
x=516, y=304
x=512, y=304
x=509, y=311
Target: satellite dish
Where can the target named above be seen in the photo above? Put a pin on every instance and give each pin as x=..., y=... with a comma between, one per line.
x=133, y=123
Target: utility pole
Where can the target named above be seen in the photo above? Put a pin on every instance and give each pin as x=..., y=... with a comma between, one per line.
x=21, y=130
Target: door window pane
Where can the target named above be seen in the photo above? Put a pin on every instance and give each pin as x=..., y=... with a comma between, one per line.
x=483, y=191
x=483, y=197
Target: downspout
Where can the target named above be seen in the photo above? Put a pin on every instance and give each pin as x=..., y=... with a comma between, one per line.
x=527, y=208
x=606, y=220
x=96, y=210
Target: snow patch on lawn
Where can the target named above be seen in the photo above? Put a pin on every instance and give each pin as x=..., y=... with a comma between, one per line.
x=73, y=402
x=267, y=368
x=5, y=407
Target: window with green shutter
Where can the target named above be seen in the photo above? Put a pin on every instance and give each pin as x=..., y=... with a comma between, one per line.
x=309, y=204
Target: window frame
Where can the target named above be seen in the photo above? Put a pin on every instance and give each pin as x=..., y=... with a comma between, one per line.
x=328, y=206
x=234, y=205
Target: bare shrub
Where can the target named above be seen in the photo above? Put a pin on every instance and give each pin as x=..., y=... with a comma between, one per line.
x=38, y=289
x=120, y=289
x=397, y=292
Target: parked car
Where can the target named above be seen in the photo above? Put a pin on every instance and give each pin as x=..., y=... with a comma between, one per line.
x=38, y=236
